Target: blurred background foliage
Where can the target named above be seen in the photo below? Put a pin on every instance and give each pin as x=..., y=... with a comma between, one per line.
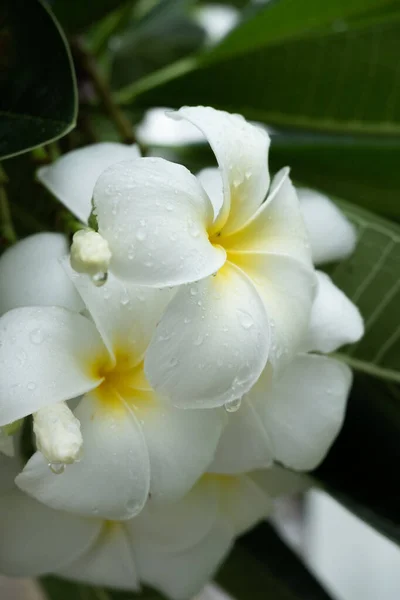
x=325, y=78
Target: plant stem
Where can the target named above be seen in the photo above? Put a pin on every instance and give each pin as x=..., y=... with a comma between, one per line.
x=117, y=116
x=6, y=225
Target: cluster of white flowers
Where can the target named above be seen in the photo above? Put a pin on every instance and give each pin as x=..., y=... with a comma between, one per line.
x=177, y=352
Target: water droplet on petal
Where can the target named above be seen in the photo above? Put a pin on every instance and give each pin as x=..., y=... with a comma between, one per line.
x=36, y=336
x=141, y=235
x=199, y=340
x=193, y=291
x=245, y=319
x=31, y=386
x=100, y=278
x=57, y=468
x=124, y=299
x=233, y=405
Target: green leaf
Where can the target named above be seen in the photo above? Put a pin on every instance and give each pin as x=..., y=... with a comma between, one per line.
x=361, y=469
x=362, y=170
x=38, y=100
x=76, y=15
x=370, y=278
x=261, y=566
x=312, y=65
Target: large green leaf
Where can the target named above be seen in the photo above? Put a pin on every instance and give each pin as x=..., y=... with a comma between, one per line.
x=37, y=82
x=361, y=470
x=362, y=170
x=308, y=65
x=370, y=278
x=261, y=566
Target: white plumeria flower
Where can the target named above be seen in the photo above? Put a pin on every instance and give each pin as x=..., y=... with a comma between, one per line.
x=175, y=548
x=134, y=443
x=294, y=418
x=163, y=230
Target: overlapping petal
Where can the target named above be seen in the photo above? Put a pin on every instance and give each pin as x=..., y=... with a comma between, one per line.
x=212, y=342
x=154, y=215
x=304, y=408
x=31, y=275
x=125, y=314
x=181, y=445
x=287, y=288
x=73, y=176
x=241, y=150
x=277, y=227
x=35, y=540
x=335, y=320
x=109, y=561
x=332, y=236
x=113, y=478
x=43, y=352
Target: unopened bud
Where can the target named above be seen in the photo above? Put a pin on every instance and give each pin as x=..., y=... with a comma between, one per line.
x=58, y=434
x=90, y=253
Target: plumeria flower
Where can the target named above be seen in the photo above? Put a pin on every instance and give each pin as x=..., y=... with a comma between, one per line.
x=295, y=417
x=123, y=442
x=241, y=257
x=175, y=548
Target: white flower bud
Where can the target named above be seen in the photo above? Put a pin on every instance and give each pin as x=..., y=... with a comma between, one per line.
x=90, y=252
x=58, y=434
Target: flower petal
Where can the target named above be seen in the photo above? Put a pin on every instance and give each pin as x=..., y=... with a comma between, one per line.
x=112, y=479
x=211, y=181
x=304, y=409
x=243, y=503
x=335, y=320
x=244, y=445
x=73, y=176
x=181, y=575
x=276, y=227
x=154, y=215
x=43, y=359
x=35, y=540
x=31, y=275
x=181, y=445
x=241, y=150
x=109, y=562
x=177, y=526
x=278, y=481
x=331, y=234
x=212, y=342
x=287, y=288
x=125, y=314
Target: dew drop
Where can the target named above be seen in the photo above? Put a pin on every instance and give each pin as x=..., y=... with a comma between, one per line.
x=141, y=235
x=199, y=340
x=245, y=319
x=233, y=405
x=193, y=291
x=100, y=278
x=57, y=468
x=124, y=299
x=173, y=362
x=31, y=386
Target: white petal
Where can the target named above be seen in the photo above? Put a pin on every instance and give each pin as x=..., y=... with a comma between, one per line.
x=181, y=445
x=112, y=479
x=43, y=359
x=31, y=275
x=125, y=314
x=287, y=288
x=154, y=215
x=278, y=481
x=244, y=445
x=335, y=320
x=35, y=540
x=178, y=526
x=331, y=234
x=73, y=176
x=211, y=181
x=212, y=342
x=181, y=575
x=304, y=409
x=243, y=503
x=109, y=562
x=277, y=227
x=241, y=150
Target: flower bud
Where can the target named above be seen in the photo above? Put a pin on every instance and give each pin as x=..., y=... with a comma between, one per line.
x=58, y=434
x=90, y=252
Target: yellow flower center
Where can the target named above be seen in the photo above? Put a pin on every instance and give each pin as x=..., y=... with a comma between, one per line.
x=124, y=383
